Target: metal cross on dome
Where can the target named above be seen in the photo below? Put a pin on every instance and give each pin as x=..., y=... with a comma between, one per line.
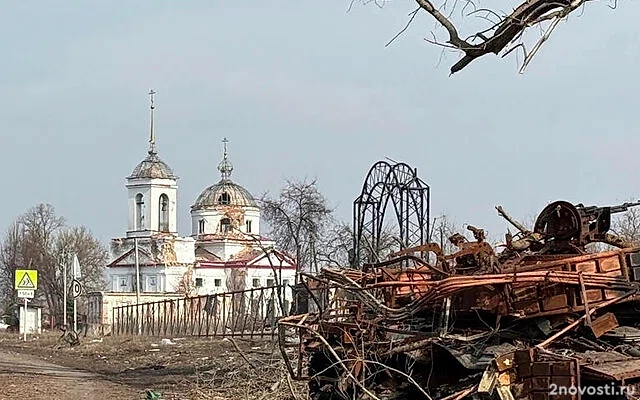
x=225, y=167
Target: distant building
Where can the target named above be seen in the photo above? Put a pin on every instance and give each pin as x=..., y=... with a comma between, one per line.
x=225, y=251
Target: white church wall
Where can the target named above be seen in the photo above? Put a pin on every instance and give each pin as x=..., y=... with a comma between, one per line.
x=265, y=277
x=210, y=280
x=195, y=223
x=212, y=220
x=152, y=279
x=223, y=248
x=214, y=280
x=173, y=277
x=168, y=249
x=184, y=248
x=252, y=215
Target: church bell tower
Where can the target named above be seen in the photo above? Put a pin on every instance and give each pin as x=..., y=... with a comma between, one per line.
x=152, y=191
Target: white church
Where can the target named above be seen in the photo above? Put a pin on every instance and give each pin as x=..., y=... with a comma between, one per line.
x=225, y=251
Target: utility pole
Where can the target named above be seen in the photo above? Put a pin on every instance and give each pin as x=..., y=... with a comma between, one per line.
x=64, y=289
x=135, y=243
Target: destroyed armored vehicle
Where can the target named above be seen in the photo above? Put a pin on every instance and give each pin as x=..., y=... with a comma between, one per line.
x=547, y=312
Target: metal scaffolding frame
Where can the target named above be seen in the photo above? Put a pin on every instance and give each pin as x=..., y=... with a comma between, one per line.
x=410, y=197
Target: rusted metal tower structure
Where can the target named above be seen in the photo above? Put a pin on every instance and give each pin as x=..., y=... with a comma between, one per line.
x=409, y=197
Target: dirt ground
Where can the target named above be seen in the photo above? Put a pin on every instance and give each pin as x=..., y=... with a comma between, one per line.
x=187, y=368
x=23, y=377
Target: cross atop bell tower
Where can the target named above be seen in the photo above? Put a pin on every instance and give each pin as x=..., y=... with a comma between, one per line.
x=152, y=137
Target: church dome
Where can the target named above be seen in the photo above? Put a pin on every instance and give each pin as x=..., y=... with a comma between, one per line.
x=224, y=193
x=152, y=167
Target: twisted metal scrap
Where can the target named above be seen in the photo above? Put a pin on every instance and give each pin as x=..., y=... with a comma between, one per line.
x=438, y=290
x=527, y=14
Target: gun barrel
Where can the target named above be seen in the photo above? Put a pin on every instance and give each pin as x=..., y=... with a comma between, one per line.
x=623, y=207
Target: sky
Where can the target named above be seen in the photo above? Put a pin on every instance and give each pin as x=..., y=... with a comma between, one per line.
x=307, y=89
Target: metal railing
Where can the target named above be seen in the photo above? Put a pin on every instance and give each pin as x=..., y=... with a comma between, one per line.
x=247, y=313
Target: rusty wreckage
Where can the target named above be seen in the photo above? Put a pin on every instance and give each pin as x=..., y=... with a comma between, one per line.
x=543, y=318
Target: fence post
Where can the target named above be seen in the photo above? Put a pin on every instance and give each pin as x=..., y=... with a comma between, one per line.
x=164, y=318
x=216, y=314
x=178, y=316
x=208, y=314
x=224, y=315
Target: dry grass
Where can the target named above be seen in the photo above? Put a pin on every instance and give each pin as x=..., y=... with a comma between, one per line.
x=189, y=368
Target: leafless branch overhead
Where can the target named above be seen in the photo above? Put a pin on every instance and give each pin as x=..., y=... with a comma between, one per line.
x=504, y=32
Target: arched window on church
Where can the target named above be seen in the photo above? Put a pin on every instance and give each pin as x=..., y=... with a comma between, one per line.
x=201, y=226
x=163, y=224
x=225, y=225
x=139, y=217
x=224, y=198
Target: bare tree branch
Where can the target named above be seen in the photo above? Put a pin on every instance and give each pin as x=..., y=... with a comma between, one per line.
x=413, y=16
x=527, y=14
x=502, y=34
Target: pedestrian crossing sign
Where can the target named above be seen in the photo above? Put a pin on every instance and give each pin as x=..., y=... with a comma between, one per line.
x=26, y=279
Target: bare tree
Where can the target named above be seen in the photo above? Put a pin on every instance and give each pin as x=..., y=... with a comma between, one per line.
x=443, y=228
x=11, y=258
x=337, y=241
x=627, y=226
x=297, y=218
x=500, y=32
x=40, y=225
x=40, y=239
x=92, y=255
x=337, y=244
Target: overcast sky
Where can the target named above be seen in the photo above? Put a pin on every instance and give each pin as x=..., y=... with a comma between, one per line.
x=306, y=89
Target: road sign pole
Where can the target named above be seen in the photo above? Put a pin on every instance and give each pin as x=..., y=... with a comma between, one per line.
x=75, y=303
x=26, y=283
x=24, y=323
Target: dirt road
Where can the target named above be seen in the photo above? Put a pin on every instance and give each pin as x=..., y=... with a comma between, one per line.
x=25, y=377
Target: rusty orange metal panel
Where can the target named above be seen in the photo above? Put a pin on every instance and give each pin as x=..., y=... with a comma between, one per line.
x=587, y=266
x=609, y=264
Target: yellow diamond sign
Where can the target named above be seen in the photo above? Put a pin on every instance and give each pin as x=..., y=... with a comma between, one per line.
x=26, y=279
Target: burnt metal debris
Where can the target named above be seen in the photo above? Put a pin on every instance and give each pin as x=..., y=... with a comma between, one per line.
x=541, y=318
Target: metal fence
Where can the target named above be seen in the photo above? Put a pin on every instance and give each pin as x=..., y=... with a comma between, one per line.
x=248, y=313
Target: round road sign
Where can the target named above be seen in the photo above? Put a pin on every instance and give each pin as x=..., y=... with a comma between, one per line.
x=76, y=288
